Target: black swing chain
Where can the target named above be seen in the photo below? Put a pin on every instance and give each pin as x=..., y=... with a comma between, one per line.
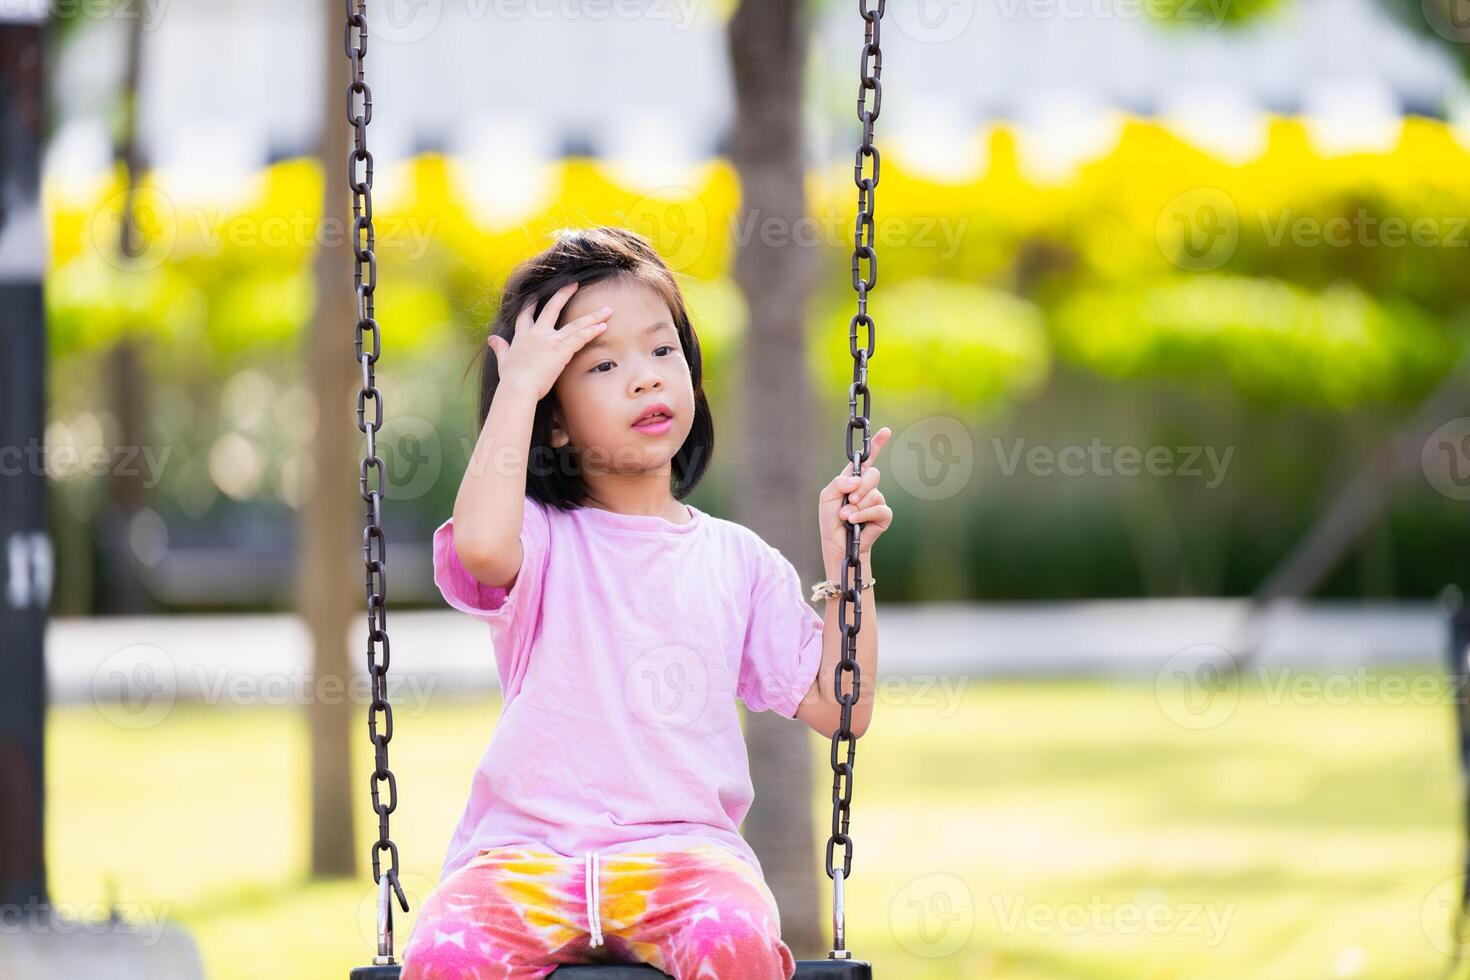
x=871, y=69
x=360, y=178
x=374, y=545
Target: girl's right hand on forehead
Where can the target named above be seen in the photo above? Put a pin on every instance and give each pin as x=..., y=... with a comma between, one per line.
x=539, y=352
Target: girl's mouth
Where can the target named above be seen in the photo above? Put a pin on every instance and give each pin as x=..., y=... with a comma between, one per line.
x=655, y=427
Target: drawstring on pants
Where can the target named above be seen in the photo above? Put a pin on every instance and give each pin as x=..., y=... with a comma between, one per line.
x=594, y=914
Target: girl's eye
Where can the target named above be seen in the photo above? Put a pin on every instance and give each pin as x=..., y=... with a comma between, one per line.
x=597, y=368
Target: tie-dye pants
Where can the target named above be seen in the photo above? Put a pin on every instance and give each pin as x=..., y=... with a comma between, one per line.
x=516, y=913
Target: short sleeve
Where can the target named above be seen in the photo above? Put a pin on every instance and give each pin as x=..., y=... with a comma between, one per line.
x=783, y=639
x=512, y=613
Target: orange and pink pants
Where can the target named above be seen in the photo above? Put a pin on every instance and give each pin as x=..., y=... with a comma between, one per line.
x=517, y=913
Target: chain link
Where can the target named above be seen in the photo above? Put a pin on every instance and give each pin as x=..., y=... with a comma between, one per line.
x=374, y=544
x=850, y=600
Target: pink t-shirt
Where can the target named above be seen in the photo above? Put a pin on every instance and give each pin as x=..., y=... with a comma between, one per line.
x=621, y=648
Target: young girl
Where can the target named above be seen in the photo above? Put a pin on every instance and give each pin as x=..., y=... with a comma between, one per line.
x=606, y=810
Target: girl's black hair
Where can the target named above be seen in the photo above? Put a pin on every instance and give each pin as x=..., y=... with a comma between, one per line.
x=586, y=256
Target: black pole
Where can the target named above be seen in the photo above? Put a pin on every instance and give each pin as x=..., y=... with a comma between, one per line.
x=25, y=551
x=1458, y=655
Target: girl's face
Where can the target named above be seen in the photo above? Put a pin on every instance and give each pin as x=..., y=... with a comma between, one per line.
x=635, y=364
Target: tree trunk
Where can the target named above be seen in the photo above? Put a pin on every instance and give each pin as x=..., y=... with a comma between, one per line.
x=122, y=587
x=777, y=499
x=330, y=570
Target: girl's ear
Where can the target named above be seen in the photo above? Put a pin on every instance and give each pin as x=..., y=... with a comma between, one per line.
x=559, y=435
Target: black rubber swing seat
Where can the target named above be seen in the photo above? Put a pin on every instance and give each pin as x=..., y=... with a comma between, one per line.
x=805, y=970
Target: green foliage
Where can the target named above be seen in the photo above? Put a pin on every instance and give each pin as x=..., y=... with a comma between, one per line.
x=1054, y=310
x=1268, y=339
x=942, y=344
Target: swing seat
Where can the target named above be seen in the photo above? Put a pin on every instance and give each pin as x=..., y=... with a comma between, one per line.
x=805, y=970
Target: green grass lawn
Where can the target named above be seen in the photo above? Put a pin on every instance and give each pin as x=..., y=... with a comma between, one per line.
x=1022, y=830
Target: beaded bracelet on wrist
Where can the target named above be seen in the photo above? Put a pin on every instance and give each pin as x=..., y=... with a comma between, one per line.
x=828, y=589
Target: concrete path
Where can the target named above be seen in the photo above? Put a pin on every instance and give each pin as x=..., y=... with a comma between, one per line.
x=140, y=662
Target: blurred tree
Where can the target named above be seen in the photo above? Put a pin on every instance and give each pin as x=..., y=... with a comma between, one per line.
x=329, y=574
x=120, y=585
x=767, y=42
x=1441, y=21
x=1359, y=504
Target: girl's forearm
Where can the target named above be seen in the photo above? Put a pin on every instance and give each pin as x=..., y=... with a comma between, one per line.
x=488, y=508
x=867, y=650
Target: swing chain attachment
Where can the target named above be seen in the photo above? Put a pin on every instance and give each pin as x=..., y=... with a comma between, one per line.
x=374, y=545
x=850, y=596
